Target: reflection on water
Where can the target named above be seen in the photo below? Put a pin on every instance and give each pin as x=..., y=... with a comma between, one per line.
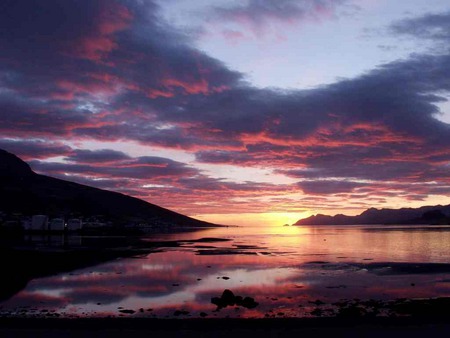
x=53, y=240
x=289, y=271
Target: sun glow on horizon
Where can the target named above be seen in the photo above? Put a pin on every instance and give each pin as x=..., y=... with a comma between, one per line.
x=273, y=219
x=154, y=100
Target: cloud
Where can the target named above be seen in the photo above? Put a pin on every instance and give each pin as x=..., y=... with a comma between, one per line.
x=145, y=82
x=260, y=16
x=34, y=149
x=96, y=156
x=430, y=26
x=328, y=187
x=136, y=168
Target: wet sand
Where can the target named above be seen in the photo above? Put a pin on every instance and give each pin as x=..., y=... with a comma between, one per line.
x=321, y=327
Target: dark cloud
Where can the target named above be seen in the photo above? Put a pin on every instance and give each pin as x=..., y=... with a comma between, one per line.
x=139, y=168
x=223, y=157
x=114, y=71
x=28, y=117
x=430, y=26
x=379, y=126
x=34, y=149
x=90, y=50
x=328, y=187
x=113, y=184
x=118, y=91
x=96, y=156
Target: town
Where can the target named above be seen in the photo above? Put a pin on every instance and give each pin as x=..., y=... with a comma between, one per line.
x=93, y=224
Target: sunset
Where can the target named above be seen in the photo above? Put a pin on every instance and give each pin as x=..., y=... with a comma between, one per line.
x=214, y=108
x=251, y=159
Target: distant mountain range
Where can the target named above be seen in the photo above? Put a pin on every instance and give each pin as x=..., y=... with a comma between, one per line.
x=22, y=191
x=437, y=214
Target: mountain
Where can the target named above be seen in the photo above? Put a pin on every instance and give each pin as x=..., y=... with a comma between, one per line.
x=22, y=191
x=424, y=215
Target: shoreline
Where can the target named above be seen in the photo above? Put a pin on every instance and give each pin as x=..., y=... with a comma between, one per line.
x=280, y=327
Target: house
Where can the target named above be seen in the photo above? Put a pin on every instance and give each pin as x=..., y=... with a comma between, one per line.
x=57, y=224
x=39, y=222
x=74, y=224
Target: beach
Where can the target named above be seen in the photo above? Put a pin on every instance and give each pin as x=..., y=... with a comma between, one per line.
x=313, y=282
x=111, y=328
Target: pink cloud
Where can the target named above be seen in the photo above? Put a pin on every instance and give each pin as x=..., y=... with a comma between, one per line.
x=233, y=36
x=263, y=17
x=101, y=41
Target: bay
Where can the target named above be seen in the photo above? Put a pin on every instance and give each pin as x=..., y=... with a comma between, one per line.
x=287, y=271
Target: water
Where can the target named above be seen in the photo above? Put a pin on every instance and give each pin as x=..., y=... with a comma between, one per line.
x=288, y=271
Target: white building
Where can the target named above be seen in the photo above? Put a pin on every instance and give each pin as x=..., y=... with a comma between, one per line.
x=57, y=224
x=94, y=225
x=26, y=224
x=74, y=224
x=39, y=222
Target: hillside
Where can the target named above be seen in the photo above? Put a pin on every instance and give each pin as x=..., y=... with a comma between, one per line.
x=25, y=192
x=437, y=214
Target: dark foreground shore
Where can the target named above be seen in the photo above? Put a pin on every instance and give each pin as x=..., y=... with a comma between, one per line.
x=286, y=327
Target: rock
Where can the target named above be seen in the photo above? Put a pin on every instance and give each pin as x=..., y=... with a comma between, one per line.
x=180, y=312
x=351, y=312
x=341, y=286
x=249, y=303
x=229, y=299
x=317, y=312
x=130, y=312
x=217, y=301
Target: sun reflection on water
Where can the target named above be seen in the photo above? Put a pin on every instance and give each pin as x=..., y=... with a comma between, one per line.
x=284, y=268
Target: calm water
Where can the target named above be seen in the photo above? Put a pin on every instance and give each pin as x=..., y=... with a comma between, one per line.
x=285, y=269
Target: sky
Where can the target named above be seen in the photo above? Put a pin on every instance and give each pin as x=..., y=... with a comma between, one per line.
x=234, y=112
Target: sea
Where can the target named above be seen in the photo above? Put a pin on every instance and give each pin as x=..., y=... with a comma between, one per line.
x=281, y=271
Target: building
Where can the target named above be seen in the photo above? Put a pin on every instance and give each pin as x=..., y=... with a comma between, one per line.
x=94, y=225
x=57, y=224
x=74, y=224
x=26, y=224
x=39, y=222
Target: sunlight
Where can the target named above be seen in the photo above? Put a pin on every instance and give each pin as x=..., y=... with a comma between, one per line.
x=288, y=230
x=283, y=218
x=277, y=219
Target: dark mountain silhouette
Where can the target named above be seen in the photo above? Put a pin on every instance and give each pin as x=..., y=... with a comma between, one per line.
x=424, y=215
x=24, y=192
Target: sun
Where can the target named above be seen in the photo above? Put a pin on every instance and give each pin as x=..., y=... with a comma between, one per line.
x=266, y=219
x=284, y=218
